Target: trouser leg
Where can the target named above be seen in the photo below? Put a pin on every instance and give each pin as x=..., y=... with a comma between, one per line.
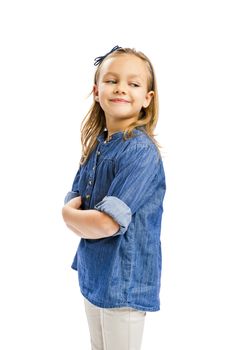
x=115, y=328
x=93, y=314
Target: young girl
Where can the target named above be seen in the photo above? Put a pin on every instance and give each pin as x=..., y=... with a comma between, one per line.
x=116, y=202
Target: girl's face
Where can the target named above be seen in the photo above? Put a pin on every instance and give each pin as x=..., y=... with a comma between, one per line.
x=122, y=88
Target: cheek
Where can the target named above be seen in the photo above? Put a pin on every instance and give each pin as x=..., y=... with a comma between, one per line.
x=104, y=91
x=139, y=97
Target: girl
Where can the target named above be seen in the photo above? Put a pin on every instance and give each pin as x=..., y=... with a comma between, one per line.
x=116, y=202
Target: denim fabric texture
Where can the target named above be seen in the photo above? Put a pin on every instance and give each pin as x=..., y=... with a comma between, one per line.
x=126, y=180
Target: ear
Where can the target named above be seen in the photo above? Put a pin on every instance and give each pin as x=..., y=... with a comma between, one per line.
x=96, y=93
x=148, y=99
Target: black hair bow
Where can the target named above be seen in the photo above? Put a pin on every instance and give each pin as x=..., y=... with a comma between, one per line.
x=99, y=59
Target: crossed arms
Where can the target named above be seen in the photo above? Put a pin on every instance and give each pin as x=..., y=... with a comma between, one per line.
x=89, y=224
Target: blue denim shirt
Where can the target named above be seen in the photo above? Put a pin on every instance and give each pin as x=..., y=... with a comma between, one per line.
x=125, y=179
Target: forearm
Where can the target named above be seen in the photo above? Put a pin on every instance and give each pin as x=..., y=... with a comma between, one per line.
x=75, y=231
x=91, y=224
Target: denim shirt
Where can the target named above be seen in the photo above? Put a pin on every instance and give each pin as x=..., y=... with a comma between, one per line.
x=125, y=179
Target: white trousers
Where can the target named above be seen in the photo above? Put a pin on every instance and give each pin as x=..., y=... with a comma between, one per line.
x=115, y=328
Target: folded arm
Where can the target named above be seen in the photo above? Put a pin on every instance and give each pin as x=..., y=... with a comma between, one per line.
x=89, y=224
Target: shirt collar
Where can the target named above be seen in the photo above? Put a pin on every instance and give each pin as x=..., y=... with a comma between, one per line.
x=117, y=135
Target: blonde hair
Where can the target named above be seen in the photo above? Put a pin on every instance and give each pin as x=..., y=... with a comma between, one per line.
x=94, y=122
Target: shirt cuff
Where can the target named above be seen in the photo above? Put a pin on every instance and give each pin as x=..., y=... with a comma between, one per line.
x=70, y=195
x=118, y=210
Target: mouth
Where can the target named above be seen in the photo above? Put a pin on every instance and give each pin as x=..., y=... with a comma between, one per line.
x=119, y=100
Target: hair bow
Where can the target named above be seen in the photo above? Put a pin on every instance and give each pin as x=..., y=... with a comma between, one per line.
x=99, y=59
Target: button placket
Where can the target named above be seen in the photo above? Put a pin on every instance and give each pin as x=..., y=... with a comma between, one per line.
x=108, y=139
x=89, y=187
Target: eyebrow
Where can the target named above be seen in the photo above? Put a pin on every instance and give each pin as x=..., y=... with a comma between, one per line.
x=116, y=74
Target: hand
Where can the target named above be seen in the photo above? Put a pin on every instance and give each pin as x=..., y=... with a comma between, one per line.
x=75, y=203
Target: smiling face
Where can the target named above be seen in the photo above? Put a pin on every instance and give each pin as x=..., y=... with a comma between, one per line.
x=122, y=90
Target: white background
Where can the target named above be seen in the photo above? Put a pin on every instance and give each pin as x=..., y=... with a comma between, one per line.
x=46, y=72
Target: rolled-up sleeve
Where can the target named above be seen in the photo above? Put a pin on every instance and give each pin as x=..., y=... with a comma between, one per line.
x=118, y=210
x=70, y=195
x=134, y=183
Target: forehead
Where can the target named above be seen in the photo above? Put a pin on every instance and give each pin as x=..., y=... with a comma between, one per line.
x=129, y=65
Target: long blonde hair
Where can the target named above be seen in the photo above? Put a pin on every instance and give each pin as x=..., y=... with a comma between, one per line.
x=94, y=122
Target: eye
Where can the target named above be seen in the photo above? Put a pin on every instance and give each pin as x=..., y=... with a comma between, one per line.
x=134, y=85
x=111, y=81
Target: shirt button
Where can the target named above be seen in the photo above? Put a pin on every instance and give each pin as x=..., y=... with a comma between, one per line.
x=98, y=153
x=93, y=167
x=87, y=196
x=90, y=182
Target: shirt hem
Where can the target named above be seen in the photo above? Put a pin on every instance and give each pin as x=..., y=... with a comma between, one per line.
x=119, y=305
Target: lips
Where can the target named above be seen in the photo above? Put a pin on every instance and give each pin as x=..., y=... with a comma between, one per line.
x=119, y=100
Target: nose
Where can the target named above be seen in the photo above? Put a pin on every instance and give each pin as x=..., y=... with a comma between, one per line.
x=120, y=88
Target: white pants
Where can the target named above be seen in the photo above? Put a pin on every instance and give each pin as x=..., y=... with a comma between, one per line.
x=115, y=328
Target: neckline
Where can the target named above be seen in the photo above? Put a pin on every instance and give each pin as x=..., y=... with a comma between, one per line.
x=114, y=136
x=109, y=138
